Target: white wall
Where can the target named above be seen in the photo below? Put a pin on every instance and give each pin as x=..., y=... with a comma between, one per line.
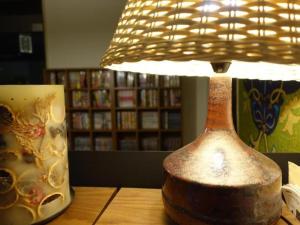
x=77, y=33
x=194, y=106
x=201, y=102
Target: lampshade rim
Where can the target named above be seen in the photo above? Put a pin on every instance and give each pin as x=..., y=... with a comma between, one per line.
x=200, y=68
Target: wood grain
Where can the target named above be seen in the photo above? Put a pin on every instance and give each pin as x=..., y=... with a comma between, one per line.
x=288, y=216
x=87, y=205
x=133, y=206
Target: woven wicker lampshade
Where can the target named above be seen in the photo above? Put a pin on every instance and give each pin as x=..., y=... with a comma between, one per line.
x=217, y=179
x=183, y=35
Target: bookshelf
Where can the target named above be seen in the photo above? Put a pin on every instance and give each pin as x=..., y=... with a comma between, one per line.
x=123, y=111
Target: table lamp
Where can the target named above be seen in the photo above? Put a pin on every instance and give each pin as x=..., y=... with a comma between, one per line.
x=34, y=175
x=217, y=179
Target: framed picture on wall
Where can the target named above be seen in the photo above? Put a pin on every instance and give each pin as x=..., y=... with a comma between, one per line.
x=25, y=43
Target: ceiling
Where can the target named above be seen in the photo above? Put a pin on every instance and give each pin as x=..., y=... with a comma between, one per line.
x=20, y=7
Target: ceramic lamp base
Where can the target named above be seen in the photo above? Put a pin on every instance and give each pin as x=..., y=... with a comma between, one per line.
x=182, y=217
x=219, y=180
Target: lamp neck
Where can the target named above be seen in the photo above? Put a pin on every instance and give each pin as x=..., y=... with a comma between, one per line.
x=219, y=115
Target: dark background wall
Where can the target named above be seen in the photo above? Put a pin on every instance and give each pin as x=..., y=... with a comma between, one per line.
x=21, y=17
x=136, y=169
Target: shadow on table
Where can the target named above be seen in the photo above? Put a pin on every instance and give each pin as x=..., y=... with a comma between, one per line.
x=167, y=220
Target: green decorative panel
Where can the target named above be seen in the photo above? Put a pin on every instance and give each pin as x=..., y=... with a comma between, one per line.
x=268, y=115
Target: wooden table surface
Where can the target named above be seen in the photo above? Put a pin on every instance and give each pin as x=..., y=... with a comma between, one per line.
x=127, y=206
x=86, y=207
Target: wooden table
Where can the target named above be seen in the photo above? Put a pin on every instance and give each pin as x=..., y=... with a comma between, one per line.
x=86, y=207
x=127, y=206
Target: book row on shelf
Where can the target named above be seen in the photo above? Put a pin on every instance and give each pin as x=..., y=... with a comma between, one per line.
x=101, y=98
x=81, y=121
x=150, y=143
x=125, y=79
x=102, y=121
x=101, y=79
x=171, y=81
x=148, y=98
x=80, y=99
x=171, y=120
x=78, y=79
x=126, y=120
x=171, y=98
x=171, y=143
x=82, y=143
x=150, y=120
x=126, y=98
x=148, y=80
x=103, y=144
x=57, y=77
x=128, y=144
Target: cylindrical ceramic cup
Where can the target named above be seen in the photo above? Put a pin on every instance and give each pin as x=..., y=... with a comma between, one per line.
x=34, y=175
